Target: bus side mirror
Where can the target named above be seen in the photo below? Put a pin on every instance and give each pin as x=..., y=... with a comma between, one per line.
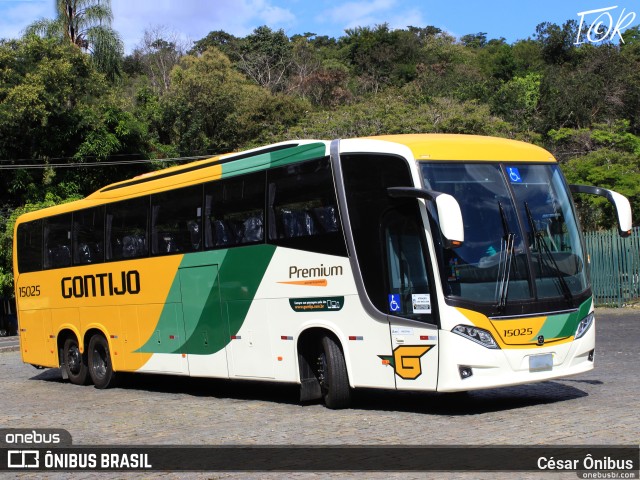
x=449, y=214
x=620, y=204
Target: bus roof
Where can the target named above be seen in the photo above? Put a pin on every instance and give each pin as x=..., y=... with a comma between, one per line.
x=436, y=146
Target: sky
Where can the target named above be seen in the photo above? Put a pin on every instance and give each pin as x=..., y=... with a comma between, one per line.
x=192, y=20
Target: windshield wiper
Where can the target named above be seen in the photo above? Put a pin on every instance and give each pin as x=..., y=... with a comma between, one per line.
x=551, y=263
x=506, y=256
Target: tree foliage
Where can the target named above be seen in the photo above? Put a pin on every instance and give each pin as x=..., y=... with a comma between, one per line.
x=87, y=25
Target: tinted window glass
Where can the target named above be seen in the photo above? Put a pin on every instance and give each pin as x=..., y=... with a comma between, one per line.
x=303, y=210
x=88, y=236
x=234, y=211
x=408, y=280
x=30, y=246
x=491, y=265
x=176, y=221
x=126, y=229
x=57, y=241
x=366, y=179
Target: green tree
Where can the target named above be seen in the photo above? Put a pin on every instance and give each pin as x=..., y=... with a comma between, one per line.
x=212, y=108
x=605, y=168
x=557, y=43
x=223, y=41
x=159, y=51
x=517, y=100
x=593, y=89
x=381, y=57
x=266, y=57
x=393, y=111
x=87, y=25
x=55, y=108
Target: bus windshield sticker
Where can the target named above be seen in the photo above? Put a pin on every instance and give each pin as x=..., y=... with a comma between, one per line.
x=394, y=302
x=421, y=302
x=319, y=304
x=514, y=175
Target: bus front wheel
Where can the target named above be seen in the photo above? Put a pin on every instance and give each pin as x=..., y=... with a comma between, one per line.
x=75, y=363
x=332, y=374
x=100, y=367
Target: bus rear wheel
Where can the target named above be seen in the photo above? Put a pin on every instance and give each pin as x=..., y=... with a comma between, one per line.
x=332, y=374
x=100, y=367
x=75, y=363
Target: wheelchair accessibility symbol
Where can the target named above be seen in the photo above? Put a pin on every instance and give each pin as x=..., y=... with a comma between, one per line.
x=394, y=302
x=514, y=175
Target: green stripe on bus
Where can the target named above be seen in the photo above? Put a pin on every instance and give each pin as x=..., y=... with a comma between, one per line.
x=274, y=159
x=201, y=323
x=564, y=325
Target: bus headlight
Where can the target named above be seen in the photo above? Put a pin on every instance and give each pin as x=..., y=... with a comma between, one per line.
x=584, y=325
x=477, y=335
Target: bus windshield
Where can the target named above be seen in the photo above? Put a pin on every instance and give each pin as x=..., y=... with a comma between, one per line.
x=521, y=235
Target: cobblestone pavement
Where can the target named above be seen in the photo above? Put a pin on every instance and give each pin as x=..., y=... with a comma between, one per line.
x=9, y=344
x=600, y=407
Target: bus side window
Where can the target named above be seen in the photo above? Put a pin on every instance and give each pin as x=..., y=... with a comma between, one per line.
x=30, y=246
x=302, y=208
x=57, y=241
x=88, y=236
x=175, y=221
x=126, y=229
x=234, y=211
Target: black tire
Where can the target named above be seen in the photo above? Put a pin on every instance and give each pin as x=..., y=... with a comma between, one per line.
x=75, y=363
x=100, y=367
x=332, y=374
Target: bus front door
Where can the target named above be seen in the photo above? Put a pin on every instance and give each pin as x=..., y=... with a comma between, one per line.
x=414, y=336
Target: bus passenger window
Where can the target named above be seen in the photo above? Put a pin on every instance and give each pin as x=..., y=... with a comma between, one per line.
x=303, y=212
x=88, y=236
x=234, y=211
x=126, y=229
x=30, y=246
x=175, y=221
x=57, y=241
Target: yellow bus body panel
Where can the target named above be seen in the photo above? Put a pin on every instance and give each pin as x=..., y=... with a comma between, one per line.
x=469, y=147
x=126, y=320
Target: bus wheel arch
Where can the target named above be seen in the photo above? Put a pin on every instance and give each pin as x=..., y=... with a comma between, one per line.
x=323, y=369
x=73, y=361
x=100, y=364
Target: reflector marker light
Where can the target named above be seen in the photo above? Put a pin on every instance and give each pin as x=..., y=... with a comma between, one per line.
x=428, y=337
x=235, y=337
x=286, y=337
x=353, y=337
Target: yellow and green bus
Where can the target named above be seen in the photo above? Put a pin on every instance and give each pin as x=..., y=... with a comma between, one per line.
x=410, y=262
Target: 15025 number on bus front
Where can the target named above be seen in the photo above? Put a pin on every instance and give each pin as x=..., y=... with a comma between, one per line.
x=518, y=332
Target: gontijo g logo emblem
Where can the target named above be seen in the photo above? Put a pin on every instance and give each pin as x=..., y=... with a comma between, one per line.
x=406, y=360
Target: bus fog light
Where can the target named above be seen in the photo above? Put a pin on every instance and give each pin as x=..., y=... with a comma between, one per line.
x=477, y=335
x=591, y=355
x=584, y=325
x=465, y=372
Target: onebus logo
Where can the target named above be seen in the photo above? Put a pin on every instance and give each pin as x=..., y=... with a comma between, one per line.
x=101, y=284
